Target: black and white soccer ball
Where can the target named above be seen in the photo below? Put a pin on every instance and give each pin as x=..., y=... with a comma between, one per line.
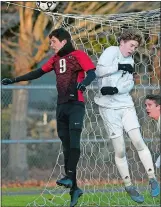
x=46, y=6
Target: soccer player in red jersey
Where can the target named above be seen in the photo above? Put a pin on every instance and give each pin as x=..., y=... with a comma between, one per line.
x=70, y=66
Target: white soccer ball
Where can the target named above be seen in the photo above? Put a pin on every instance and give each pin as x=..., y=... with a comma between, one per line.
x=46, y=6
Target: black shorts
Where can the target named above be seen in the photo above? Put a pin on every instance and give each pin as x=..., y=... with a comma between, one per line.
x=69, y=116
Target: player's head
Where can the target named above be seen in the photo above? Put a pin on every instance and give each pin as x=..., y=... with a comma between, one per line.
x=152, y=104
x=58, y=38
x=129, y=41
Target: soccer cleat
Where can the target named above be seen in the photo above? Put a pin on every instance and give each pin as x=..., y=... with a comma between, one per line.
x=134, y=194
x=75, y=194
x=66, y=182
x=155, y=189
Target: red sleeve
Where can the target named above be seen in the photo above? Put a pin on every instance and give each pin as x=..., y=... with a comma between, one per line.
x=48, y=66
x=84, y=60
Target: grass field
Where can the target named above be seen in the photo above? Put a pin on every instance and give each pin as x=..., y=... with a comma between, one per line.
x=88, y=199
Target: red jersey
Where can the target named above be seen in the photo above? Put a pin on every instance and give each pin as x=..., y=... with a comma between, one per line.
x=70, y=70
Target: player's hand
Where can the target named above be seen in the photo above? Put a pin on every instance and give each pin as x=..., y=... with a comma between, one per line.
x=81, y=87
x=108, y=90
x=126, y=67
x=7, y=81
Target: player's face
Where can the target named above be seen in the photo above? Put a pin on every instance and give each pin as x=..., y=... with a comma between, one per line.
x=56, y=45
x=152, y=109
x=128, y=47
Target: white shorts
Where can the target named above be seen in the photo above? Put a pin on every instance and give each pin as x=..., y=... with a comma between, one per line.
x=117, y=120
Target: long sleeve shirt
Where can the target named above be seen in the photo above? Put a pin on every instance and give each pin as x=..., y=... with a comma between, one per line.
x=107, y=74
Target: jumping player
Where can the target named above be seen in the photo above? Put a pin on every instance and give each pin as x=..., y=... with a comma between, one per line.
x=115, y=71
x=70, y=66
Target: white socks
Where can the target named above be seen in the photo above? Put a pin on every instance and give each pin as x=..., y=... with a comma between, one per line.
x=123, y=169
x=146, y=159
x=143, y=151
x=120, y=159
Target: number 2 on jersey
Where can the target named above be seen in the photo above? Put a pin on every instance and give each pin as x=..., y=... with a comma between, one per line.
x=62, y=63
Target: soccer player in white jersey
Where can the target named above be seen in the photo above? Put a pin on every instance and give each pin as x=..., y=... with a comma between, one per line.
x=115, y=71
x=152, y=104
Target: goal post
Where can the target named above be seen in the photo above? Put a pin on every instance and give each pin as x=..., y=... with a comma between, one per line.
x=97, y=172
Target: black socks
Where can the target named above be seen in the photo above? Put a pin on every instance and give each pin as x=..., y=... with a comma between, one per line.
x=72, y=162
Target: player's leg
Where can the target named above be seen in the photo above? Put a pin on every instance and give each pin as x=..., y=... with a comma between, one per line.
x=122, y=165
x=65, y=138
x=76, y=118
x=143, y=151
x=120, y=159
x=134, y=133
x=113, y=124
x=75, y=114
x=146, y=159
x=63, y=134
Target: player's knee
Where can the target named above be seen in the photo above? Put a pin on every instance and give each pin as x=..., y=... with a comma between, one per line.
x=120, y=154
x=75, y=143
x=140, y=145
x=75, y=135
x=65, y=143
x=77, y=125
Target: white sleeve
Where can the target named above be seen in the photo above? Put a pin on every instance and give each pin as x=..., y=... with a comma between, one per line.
x=106, y=63
x=125, y=84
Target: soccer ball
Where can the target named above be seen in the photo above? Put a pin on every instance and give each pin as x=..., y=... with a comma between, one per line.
x=46, y=6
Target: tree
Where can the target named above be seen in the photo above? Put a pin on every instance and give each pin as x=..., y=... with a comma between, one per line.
x=25, y=53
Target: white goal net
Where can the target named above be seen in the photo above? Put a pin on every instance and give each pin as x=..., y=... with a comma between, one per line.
x=97, y=172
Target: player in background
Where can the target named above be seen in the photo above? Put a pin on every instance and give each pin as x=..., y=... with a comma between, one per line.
x=115, y=71
x=70, y=66
x=152, y=104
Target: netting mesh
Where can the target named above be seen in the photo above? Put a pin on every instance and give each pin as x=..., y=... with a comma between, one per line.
x=97, y=172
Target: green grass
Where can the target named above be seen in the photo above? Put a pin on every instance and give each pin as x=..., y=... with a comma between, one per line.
x=88, y=199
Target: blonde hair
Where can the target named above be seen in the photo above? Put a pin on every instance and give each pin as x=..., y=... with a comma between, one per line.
x=131, y=34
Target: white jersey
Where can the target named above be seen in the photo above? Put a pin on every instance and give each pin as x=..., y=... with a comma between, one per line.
x=108, y=75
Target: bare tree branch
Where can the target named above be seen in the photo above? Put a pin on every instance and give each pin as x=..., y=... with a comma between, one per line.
x=39, y=27
x=14, y=33
x=7, y=42
x=28, y=14
x=69, y=8
x=22, y=21
x=42, y=48
x=7, y=61
x=9, y=50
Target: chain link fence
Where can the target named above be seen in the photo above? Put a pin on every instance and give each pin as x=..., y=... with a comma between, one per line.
x=34, y=155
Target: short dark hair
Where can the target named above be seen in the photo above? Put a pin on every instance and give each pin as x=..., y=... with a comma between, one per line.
x=154, y=97
x=131, y=34
x=60, y=34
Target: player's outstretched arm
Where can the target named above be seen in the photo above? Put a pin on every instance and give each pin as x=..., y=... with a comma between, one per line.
x=28, y=76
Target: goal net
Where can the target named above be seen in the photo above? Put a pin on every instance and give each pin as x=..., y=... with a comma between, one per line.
x=97, y=172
